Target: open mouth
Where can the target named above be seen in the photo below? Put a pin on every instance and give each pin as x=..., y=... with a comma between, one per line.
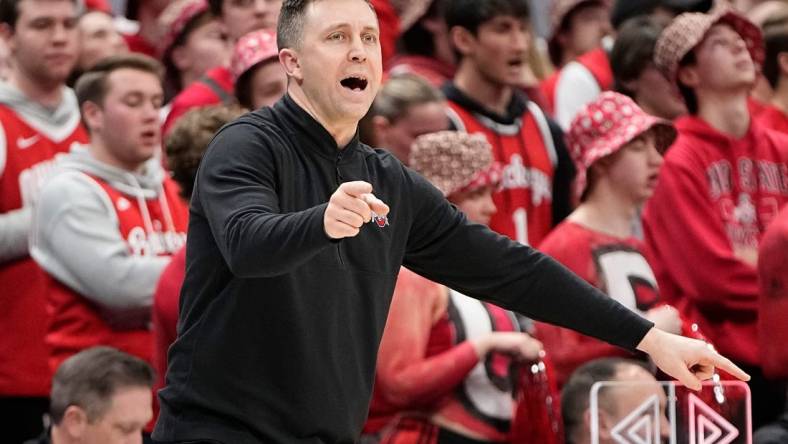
x=148, y=134
x=355, y=83
x=515, y=63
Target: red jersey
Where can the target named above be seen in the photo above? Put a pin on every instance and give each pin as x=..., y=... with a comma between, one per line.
x=773, y=272
x=773, y=118
x=524, y=145
x=715, y=197
x=158, y=229
x=27, y=153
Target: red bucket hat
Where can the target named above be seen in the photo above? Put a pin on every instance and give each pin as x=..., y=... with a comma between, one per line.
x=687, y=30
x=252, y=49
x=455, y=161
x=175, y=18
x=604, y=126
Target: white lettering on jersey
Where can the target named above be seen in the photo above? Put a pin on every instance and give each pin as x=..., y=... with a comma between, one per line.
x=154, y=244
x=32, y=179
x=517, y=175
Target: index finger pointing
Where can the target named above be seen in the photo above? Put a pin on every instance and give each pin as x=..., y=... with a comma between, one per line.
x=725, y=364
x=375, y=204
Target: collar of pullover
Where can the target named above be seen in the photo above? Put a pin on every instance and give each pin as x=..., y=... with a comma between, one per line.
x=310, y=133
x=514, y=110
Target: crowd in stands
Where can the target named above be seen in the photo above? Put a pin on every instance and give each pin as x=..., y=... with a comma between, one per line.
x=643, y=144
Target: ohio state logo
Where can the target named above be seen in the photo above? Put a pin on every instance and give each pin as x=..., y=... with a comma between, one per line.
x=380, y=221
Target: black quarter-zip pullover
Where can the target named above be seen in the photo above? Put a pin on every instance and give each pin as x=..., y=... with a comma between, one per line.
x=279, y=325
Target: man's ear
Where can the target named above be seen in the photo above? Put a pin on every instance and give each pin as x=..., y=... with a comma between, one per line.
x=291, y=64
x=74, y=422
x=380, y=124
x=782, y=62
x=688, y=75
x=91, y=114
x=7, y=34
x=462, y=40
x=180, y=58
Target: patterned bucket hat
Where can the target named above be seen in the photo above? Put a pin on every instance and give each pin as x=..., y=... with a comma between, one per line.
x=606, y=125
x=455, y=161
x=687, y=30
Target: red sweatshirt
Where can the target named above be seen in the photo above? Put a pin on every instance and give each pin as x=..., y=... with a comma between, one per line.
x=773, y=118
x=715, y=196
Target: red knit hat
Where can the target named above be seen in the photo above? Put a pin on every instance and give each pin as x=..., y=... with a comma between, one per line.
x=604, y=126
x=175, y=18
x=687, y=30
x=252, y=49
x=455, y=161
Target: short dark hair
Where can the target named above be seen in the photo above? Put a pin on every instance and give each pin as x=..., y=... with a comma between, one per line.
x=576, y=392
x=417, y=39
x=291, y=22
x=216, y=7
x=633, y=51
x=9, y=11
x=188, y=139
x=92, y=84
x=687, y=93
x=90, y=378
x=775, y=36
x=470, y=14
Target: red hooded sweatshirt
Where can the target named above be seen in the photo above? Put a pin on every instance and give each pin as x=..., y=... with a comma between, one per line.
x=716, y=195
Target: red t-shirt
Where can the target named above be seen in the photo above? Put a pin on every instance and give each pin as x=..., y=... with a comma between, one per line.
x=614, y=265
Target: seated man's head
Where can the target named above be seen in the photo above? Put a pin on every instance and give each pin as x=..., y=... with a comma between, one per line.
x=120, y=99
x=406, y=107
x=615, y=402
x=189, y=138
x=710, y=56
x=98, y=39
x=491, y=39
x=617, y=150
x=634, y=70
x=578, y=27
x=101, y=396
x=259, y=78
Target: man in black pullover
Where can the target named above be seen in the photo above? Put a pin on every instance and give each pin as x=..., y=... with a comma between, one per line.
x=291, y=260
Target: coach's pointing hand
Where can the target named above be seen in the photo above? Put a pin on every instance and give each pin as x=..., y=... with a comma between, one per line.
x=351, y=205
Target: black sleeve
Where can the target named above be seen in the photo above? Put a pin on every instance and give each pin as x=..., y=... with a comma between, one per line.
x=236, y=186
x=564, y=175
x=443, y=246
